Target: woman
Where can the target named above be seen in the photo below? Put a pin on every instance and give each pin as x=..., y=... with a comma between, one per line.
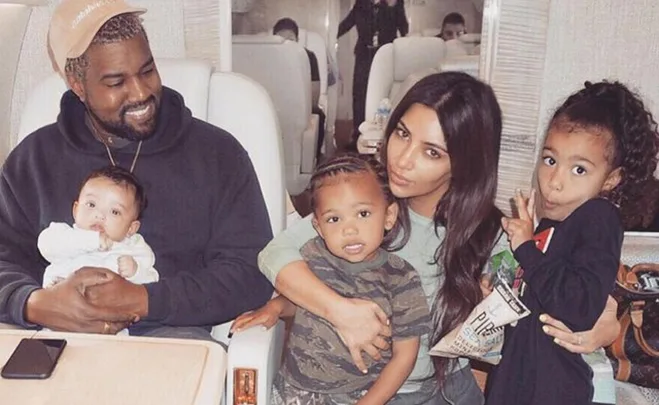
x=441, y=151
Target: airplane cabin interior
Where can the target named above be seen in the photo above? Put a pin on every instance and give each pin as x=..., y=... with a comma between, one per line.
x=296, y=85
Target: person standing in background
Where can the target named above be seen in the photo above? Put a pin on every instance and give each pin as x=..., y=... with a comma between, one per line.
x=378, y=22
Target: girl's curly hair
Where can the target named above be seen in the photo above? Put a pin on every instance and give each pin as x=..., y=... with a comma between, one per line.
x=610, y=107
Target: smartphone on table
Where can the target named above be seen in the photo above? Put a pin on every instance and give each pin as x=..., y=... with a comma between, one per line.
x=33, y=359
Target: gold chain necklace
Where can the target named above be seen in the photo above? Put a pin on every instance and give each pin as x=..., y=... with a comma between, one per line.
x=137, y=153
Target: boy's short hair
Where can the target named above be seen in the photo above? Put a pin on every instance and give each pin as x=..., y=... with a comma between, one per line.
x=453, y=18
x=124, y=178
x=286, y=24
x=346, y=164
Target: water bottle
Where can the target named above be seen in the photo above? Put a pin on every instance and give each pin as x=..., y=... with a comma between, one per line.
x=378, y=118
x=382, y=113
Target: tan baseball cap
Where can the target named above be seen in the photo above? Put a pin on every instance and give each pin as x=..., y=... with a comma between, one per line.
x=76, y=22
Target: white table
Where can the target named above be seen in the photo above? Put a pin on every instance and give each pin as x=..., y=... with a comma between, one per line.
x=120, y=370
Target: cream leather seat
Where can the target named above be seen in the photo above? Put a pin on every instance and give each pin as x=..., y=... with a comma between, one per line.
x=394, y=62
x=470, y=40
x=328, y=99
x=282, y=68
x=242, y=107
x=315, y=43
x=466, y=63
x=13, y=24
x=455, y=48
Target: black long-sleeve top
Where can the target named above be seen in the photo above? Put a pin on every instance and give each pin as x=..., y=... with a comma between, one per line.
x=570, y=282
x=370, y=19
x=206, y=220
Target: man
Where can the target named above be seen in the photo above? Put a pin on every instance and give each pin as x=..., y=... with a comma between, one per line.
x=206, y=220
x=377, y=22
x=288, y=29
x=453, y=26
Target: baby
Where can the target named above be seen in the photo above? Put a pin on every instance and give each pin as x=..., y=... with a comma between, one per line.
x=106, y=216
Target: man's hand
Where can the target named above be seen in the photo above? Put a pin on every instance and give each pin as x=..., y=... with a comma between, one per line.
x=363, y=326
x=119, y=294
x=520, y=230
x=127, y=266
x=63, y=307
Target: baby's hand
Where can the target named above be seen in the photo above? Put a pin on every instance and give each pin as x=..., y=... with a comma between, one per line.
x=105, y=243
x=520, y=229
x=127, y=266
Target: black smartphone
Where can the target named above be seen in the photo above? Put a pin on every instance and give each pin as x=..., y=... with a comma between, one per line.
x=33, y=358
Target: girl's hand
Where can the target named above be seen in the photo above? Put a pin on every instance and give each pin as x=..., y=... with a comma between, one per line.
x=520, y=230
x=604, y=332
x=486, y=284
x=105, y=243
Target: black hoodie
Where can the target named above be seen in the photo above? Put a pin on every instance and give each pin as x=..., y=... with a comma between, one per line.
x=206, y=220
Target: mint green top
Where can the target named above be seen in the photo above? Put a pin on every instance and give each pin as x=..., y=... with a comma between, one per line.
x=419, y=252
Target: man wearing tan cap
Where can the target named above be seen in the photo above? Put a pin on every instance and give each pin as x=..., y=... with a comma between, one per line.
x=206, y=220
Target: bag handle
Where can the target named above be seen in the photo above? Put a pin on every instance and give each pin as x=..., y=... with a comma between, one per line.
x=636, y=315
x=653, y=267
x=628, y=277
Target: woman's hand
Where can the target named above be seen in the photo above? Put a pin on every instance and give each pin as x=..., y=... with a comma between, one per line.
x=604, y=332
x=266, y=316
x=363, y=326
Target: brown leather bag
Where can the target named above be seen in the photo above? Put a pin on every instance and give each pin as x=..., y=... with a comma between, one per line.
x=635, y=352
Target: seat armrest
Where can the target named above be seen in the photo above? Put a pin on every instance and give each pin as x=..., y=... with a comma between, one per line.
x=253, y=349
x=309, y=144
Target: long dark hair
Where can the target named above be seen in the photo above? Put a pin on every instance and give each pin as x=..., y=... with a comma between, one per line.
x=470, y=118
x=613, y=108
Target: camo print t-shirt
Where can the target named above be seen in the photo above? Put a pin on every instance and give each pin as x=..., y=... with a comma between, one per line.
x=316, y=359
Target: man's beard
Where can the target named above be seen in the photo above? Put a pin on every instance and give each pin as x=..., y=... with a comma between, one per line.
x=122, y=129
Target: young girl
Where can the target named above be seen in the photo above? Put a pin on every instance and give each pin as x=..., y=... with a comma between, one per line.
x=106, y=218
x=353, y=213
x=599, y=153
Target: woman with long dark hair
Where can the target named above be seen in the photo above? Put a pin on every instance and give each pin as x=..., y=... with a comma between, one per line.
x=441, y=152
x=461, y=200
